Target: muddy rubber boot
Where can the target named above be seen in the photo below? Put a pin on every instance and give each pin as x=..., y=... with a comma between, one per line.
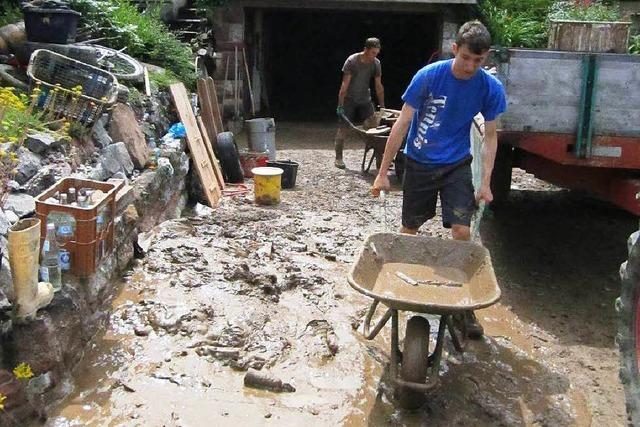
x=475, y=331
x=339, y=148
x=24, y=251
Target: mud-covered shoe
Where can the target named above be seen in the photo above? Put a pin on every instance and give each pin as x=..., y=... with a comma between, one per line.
x=475, y=331
x=339, y=164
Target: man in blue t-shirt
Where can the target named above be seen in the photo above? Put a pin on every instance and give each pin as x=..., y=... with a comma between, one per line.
x=439, y=106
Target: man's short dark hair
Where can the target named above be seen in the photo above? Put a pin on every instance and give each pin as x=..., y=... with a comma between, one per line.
x=372, y=43
x=475, y=36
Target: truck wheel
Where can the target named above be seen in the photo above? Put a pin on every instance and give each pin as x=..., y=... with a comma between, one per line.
x=501, y=175
x=415, y=361
x=227, y=153
x=628, y=339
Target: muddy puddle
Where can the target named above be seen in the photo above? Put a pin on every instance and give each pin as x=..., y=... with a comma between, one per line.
x=265, y=289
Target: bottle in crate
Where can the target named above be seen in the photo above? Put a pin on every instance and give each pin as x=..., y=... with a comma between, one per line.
x=50, y=261
x=65, y=225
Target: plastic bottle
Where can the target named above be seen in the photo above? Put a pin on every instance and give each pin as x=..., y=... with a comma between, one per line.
x=50, y=261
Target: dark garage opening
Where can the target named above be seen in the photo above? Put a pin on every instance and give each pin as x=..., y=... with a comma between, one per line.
x=306, y=49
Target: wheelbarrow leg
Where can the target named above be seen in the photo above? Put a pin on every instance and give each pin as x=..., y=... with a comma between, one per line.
x=458, y=335
x=436, y=356
x=395, y=349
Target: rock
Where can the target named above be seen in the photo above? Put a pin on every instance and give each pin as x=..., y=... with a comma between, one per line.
x=101, y=138
x=124, y=127
x=115, y=158
x=13, y=34
x=98, y=173
x=29, y=164
x=45, y=178
x=12, y=217
x=202, y=210
x=40, y=384
x=4, y=223
x=20, y=203
x=40, y=142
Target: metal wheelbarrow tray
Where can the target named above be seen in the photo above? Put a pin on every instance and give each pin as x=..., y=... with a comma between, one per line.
x=424, y=275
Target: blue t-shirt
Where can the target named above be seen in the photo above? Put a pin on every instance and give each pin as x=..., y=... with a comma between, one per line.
x=445, y=107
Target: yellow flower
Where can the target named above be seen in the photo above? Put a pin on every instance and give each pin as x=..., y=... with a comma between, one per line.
x=23, y=371
x=2, y=399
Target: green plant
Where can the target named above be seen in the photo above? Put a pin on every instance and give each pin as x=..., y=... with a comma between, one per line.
x=142, y=34
x=634, y=44
x=596, y=11
x=514, y=23
x=163, y=80
x=10, y=12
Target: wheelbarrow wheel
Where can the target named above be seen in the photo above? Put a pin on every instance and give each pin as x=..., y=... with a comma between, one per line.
x=415, y=361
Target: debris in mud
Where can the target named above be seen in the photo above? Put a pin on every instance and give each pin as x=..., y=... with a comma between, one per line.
x=261, y=381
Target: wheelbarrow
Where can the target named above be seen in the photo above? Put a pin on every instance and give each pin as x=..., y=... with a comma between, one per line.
x=425, y=275
x=372, y=143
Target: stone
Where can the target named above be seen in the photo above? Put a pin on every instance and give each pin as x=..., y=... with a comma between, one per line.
x=12, y=217
x=125, y=128
x=4, y=223
x=98, y=173
x=20, y=203
x=28, y=165
x=124, y=197
x=41, y=142
x=203, y=210
x=45, y=178
x=101, y=138
x=115, y=158
x=40, y=384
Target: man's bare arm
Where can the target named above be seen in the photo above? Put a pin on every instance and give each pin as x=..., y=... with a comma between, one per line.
x=379, y=91
x=346, y=80
x=398, y=132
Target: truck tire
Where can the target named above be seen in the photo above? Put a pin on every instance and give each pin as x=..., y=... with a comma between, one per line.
x=501, y=175
x=227, y=153
x=628, y=338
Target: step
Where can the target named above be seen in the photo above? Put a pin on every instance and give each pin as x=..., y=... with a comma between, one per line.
x=191, y=21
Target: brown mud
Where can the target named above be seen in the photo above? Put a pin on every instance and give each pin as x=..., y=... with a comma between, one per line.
x=265, y=288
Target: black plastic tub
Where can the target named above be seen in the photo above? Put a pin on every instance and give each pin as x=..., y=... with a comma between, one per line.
x=290, y=171
x=50, y=25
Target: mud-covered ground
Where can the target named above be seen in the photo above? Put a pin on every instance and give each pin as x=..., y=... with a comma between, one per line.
x=249, y=287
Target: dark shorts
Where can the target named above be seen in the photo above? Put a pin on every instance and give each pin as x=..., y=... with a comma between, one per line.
x=358, y=113
x=423, y=183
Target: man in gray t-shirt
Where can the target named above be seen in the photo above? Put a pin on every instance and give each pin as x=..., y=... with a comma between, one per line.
x=354, y=98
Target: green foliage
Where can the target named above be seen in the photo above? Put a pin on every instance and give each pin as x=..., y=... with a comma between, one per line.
x=10, y=12
x=596, y=11
x=144, y=35
x=516, y=23
x=163, y=80
x=634, y=44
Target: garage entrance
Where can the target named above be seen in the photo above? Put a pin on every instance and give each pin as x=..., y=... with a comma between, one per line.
x=305, y=50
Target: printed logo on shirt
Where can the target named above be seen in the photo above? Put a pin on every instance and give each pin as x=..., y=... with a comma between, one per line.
x=427, y=118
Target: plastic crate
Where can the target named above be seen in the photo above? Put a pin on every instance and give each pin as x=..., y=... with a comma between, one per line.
x=84, y=245
x=57, y=75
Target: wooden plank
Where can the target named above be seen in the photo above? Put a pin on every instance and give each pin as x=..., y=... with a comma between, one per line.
x=207, y=114
x=212, y=156
x=199, y=153
x=215, y=107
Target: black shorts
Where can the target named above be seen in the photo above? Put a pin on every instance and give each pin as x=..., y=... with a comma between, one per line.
x=358, y=113
x=421, y=185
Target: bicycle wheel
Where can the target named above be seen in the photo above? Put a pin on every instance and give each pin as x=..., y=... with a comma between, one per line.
x=121, y=65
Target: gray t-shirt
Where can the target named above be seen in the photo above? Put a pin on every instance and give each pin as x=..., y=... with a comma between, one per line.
x=361, y=74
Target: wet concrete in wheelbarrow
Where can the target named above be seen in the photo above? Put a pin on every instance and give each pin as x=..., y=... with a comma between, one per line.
x=265, y=288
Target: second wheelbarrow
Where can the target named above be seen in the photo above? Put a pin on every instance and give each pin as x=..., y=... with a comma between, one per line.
x=422, y=275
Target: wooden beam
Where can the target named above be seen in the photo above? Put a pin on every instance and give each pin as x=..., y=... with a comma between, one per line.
x=207, y=113
x=199, y=153
x=215, y=107
x=212, y=156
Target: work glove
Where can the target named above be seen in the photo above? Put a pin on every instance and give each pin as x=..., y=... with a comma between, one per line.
x=340, y=110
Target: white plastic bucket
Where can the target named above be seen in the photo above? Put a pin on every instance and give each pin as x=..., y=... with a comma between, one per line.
x=262, y=136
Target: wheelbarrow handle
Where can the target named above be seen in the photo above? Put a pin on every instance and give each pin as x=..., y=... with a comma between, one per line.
x=367, y=321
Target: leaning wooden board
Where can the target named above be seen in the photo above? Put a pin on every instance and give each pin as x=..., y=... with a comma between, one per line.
x=198, y=150
x=212, y=156
x=207, y=115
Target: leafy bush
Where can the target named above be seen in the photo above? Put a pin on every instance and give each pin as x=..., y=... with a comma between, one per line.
x=144, y=35
x=596, y=11
x=515, y=23
x=10, y=12
x=634, y=44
